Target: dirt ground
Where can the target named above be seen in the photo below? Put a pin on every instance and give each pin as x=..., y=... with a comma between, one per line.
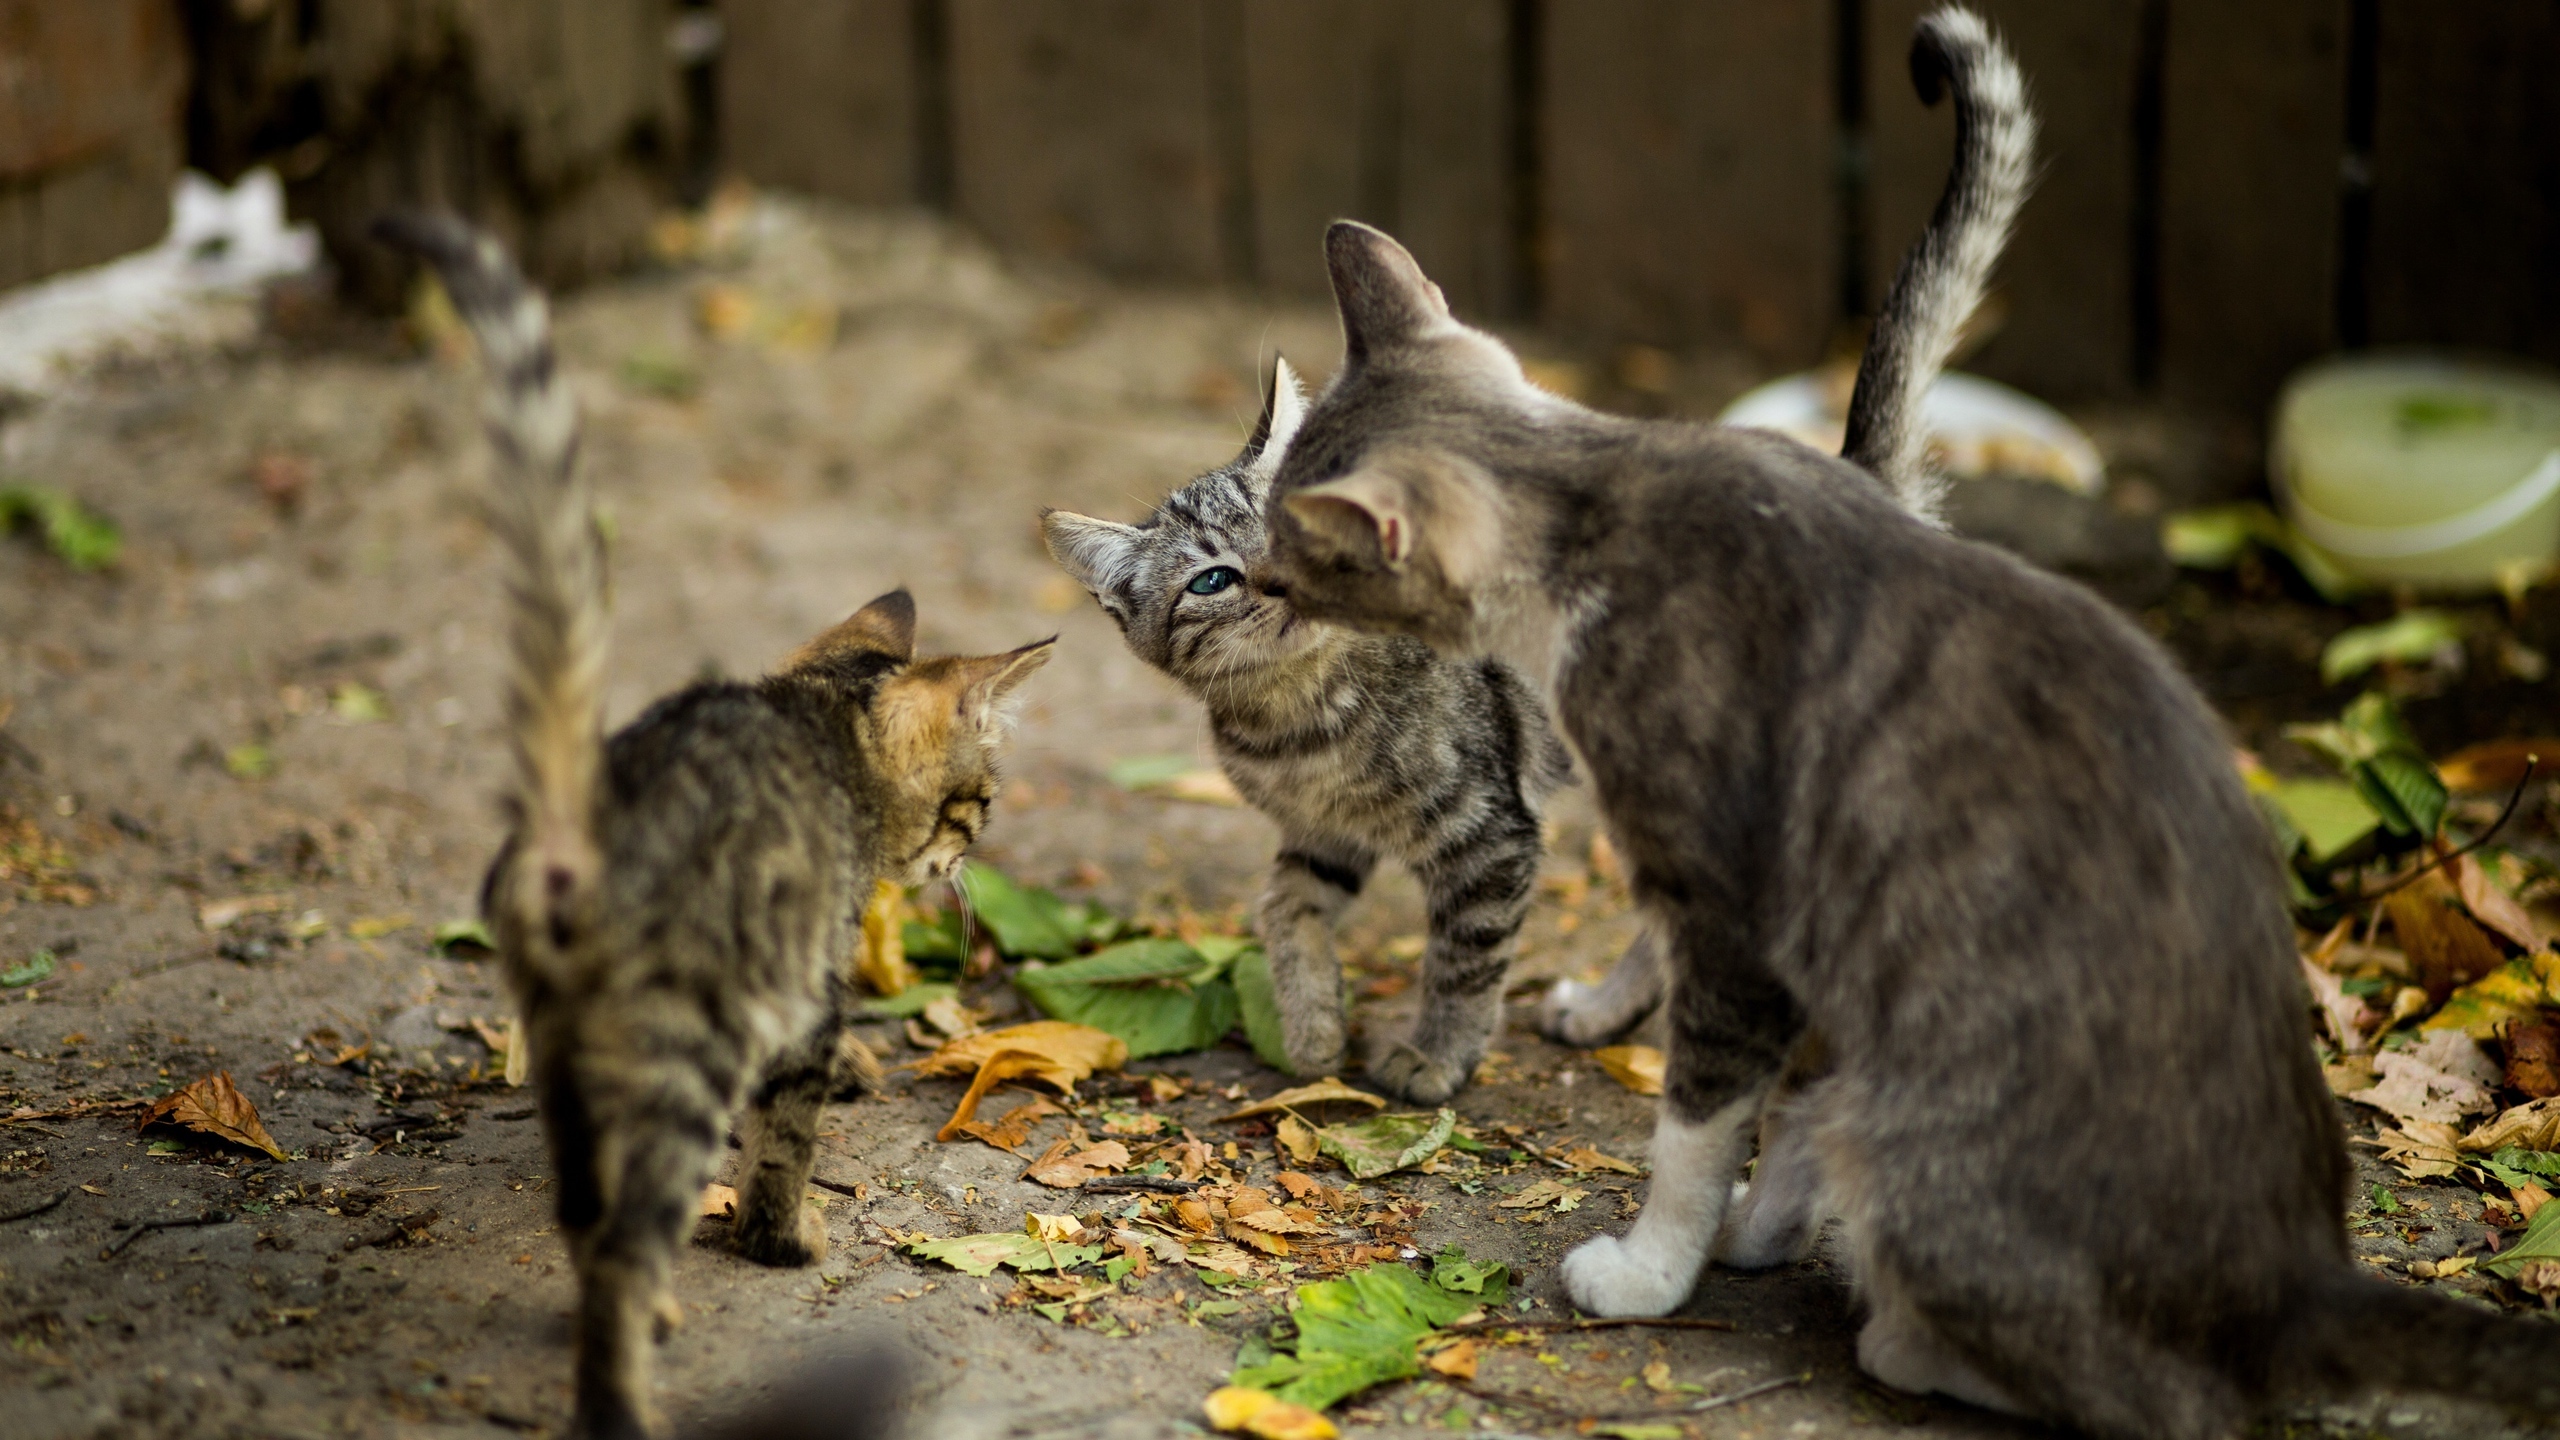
x=884, y=404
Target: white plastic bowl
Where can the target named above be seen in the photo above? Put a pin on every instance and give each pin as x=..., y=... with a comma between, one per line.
x=1976, y=427
x=2424, y=470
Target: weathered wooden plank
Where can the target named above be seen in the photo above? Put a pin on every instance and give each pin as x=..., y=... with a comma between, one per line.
x=79, y=80
x=2067, y=286
x=1396, y=112
x=1688, y=175
x=821, y=95
x=2254, y=122
x=2466, y=176
x=1082, y=129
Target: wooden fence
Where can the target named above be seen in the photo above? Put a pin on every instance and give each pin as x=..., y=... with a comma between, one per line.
x=2231, y=187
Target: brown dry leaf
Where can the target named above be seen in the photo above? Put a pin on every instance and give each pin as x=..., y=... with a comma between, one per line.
x=2533, y=1056
x=881, y=959
x=2447, y=950
x=1657, y=1377
x=1066, y=1172
x=1298, y=1139
x=1013, y=1131
x=1583, y=1157
x=2350, y=1075
x=1264, y=1416
x=1299, y=1186
x=1638, y=1067
x=1056, y=1052
x=1264, y=1241
x=2423, y=1149
x=2442, y=1078
x=1225, y=1259
x=1277, y=1222
x=2529, y=1198
x=2534, y=1125
x=2346, y=1014
x=1194, y=1215
x=719, y=1202
x=2541, y=1278
x=1203, y=786
x=214, y=1106
x=1324, y=1091
x=2497, y=766
x=1192, y=1158
x=223, y=914
x=952, y=1018
x=1458, y=1361
x=1544, y=1193
x=2491, y=905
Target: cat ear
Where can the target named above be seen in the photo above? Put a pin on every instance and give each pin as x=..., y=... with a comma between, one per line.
x=988, y=679
x=1282, y=411
x=1095, y=552
x=886, y=626
x=1384, y=296
x=1365, y=516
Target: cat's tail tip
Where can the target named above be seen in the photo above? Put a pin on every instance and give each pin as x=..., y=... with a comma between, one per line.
x=2352, y=1331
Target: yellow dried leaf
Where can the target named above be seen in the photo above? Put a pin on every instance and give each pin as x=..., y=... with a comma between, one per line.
x=881, y=960
x=1203, y=786
x=2491, y=905
x=1458, y=1361
x=1583, y=1157
x=1225, y=1259
x=719, y=1202
x=1266, y=1417
x=1298, y=1139
x=1194, y=1215
x=1012, y=1131
x=1244, y=1234
x=1276, y=1222
x=1638, y=1067
x=1061, y=1228
x=1322, y=1092
x=2534, y=1125
x=225, y=913
x=1299, y=1186
x=1657, y=1377
x=1056, y=1052
x=2529, y=1198
x=1066, y=1172
x=214, y=1106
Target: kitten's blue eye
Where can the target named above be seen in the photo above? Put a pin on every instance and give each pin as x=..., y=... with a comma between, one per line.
x=1210, y=582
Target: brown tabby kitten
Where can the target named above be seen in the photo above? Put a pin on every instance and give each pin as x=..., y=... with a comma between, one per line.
x=672, y=902
x=1956, y=816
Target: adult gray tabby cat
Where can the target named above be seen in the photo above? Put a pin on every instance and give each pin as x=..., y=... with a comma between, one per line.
x=1955, y=816
x=1362, y=746
x=672, y=903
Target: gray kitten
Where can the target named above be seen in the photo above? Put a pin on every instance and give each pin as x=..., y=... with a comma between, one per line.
x=1357, y=746
x=1955, y=816
x=673, y=903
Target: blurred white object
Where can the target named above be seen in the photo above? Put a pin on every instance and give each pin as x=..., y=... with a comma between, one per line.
x=197, y=286
x=1976, y=427
x=2422, y=469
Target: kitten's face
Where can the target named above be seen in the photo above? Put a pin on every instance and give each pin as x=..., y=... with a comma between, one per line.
x=1377, y=518
x=934, y=731
x=1191, y=586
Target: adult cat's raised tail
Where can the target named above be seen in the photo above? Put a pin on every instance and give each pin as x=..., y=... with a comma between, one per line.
x=544, y=516
x=1942, y=278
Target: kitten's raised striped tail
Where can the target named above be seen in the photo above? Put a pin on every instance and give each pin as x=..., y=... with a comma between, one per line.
x=544, y=516
x=1943, y=276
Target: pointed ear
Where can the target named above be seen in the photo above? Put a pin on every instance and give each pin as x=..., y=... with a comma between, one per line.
x=1282, y=411
x=886, y=626
x=1365, y=516
x=990, y=678
x=1094, y=552
x=1384, y=296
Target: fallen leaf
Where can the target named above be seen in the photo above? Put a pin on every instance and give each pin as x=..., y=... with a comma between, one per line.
x=2444, y=1269
x=1160, y=995
x=1233, y=1408
x=2411, y=637
x=952, y=1018
x=1657, y=1377
x=1051, y=1227
x=2345, y=1013
x=1276, y=1221
x=1458, y=1361
x=2513, y=991
x=1195, y=1215
x=1355, y=1331
x=2534, y=1125
x=2446, y=948
x=1297, y=1138
x=2349, y=1075
x=2441, y=1079
x=37, y=967
x=225, y=913
x=1545, y=1193
x=2491, y=905
x=1640, y=1430
x=1052, y=1051
x=1013, y=1131
x=1069, y=1171
x=2529, y=1198
x=880, y=959
x=719, y=1202
x=1638, y=1067
x=1452, y=1271
x=2540, y=1242
x=1017, y=1250
x=1583, y=1157
x=1264, y=1241
x=2423, y=1149
x=1301, y=1097
x=374, y=927
x=2540, y=1278
x=1385, y=1143
x=1299, y=1186
x=2498, y=766
x=214, y=1106
x=1224, y=1259
x=2533, y=1057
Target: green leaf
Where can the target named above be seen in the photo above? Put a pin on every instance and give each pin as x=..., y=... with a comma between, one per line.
x=910, y=1001
x=1150, y=993
x=2411, y=637
x=39, y=966
x=2324, y=816
x=1027, y=922
x=2214, y=538
x=83, y=539
x=1260, y=1004
x=979, y=1255
x=1354, y=1332
x=662, y=373
x=2391, y=775
x=2541, y=1241
x=1141, y=772
x=1640, y=1430
x=2531, y=1162
x=2384, y=1200
x=1116, y=1267
x=2411, y=782
x=936, y=940
x=1489, y=1281
x=1383, y=1143
x=455, y=935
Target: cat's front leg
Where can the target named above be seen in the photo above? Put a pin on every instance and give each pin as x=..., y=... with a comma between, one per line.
x=1310, y=884
x=1478, y=890
x=1588, y=1015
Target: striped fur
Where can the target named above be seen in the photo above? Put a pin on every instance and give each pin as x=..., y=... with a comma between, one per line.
x=1943, y=276
x=717, y=853
x=1358, y=747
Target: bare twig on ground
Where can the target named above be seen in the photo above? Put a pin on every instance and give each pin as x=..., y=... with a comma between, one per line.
x=28, y=1212
x=145, y=1227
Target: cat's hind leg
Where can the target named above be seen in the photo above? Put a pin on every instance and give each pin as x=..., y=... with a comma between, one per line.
x=1478, y=886
x=1310, y=883
x=776, y=1224
x=1586, y=1015
x=1773, y=1219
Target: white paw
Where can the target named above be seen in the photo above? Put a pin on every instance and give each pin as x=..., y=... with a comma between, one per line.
x=1559, y=1010
x=1610, y=1278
